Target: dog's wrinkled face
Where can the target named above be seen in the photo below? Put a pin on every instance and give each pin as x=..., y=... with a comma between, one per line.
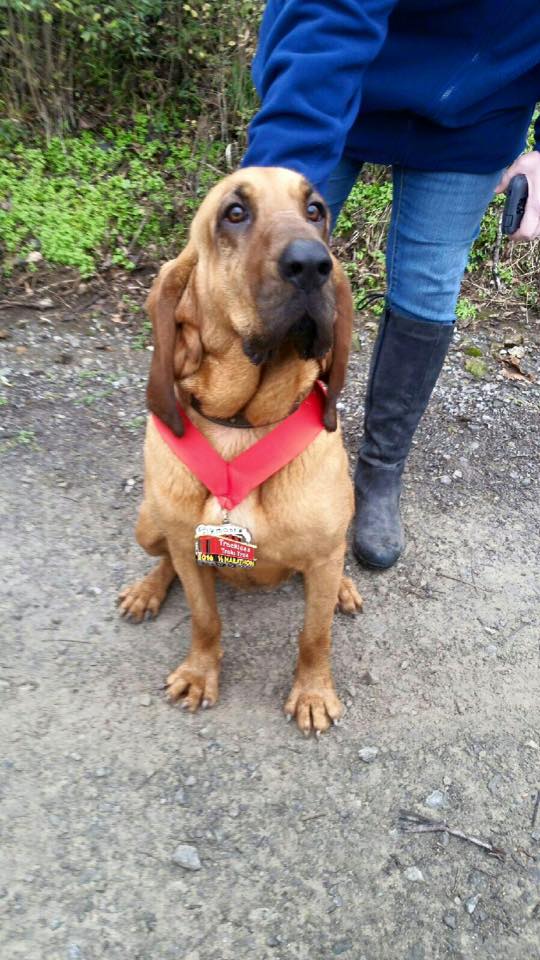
x=256, y=275
x=266, y=243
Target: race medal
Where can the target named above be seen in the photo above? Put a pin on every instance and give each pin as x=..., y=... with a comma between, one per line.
x=224, y=545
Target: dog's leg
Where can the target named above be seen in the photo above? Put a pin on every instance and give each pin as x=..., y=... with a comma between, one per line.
x=196, y=679
x=313, y=699
x=146, y=596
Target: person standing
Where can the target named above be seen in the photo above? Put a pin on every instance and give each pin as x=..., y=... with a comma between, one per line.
x=443, y=91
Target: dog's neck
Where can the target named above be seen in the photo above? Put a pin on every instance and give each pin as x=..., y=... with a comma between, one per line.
x=229, y=385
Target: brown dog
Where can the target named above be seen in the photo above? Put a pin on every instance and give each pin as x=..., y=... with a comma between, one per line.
x=250, y=314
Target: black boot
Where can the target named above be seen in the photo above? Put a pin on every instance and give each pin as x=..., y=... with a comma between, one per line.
x=407, y=359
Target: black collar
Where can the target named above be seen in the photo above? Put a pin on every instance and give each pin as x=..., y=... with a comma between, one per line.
x=238, y=422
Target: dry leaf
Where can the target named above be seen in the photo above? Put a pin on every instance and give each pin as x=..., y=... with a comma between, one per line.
x=511, y=369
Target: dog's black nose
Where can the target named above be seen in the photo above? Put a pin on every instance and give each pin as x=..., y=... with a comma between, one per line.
x=306, y=264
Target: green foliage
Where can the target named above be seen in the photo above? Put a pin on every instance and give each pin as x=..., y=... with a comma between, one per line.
x=472, y=351
x=144, y=338
x=477, y=368
x=371, y=197
x=63, y=61
x=24, y=438
x=87, y=202
x=465, y=310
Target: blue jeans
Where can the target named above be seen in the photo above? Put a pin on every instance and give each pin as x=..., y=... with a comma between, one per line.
x=435, y=218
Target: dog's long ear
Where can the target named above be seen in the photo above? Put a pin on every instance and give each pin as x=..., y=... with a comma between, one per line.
x=161, y=305
x=336, y=373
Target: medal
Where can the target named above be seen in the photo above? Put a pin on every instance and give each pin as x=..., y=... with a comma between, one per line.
x=224, y=545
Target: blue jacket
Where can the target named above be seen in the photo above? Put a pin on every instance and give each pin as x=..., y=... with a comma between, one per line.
x=430, y=84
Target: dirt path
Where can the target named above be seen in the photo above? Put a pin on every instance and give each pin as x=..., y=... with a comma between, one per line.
x=300, y=852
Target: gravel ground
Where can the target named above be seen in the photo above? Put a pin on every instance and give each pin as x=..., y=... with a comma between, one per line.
x=130, y=830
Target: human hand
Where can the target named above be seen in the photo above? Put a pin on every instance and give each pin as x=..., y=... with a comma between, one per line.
x=529, y=164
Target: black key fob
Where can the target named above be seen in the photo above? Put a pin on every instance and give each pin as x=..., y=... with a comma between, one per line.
x=516, y=199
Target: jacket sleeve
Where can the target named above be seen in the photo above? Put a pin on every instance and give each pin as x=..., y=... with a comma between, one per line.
x=308, y=71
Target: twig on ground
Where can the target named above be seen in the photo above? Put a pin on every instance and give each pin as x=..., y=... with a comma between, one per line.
x=7, y=304
x=466, y=583
x=497, y=255
x=411, y=822
x=535, y=810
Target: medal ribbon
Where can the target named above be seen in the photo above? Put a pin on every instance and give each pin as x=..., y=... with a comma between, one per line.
x=231, y=481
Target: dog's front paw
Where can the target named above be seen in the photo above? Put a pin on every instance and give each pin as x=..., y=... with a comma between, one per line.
x=349, y=600
x=140, y=599
x=315, y=707
x=196, y=682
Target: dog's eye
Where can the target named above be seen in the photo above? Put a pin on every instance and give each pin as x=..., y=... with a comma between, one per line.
x=315, y=212
x=236, y=213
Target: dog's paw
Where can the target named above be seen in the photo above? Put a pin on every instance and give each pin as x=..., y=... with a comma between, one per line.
x=196, y=684
x=314, y=708
x=349, y=600
x=140, y=599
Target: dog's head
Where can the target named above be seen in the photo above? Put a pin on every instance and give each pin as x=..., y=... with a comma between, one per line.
x=257, y=265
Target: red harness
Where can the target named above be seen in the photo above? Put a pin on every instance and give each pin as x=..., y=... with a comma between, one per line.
x=231, y=481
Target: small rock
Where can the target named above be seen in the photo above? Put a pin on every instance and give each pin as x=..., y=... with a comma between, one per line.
x=101, y=772
x=234, y=810
x=435, y=799
x=471, y=903
x=416, y=952
x=367, y=679
x=73, y=952
x=368, y=754
x=532, y=744
x=446, y=480
x=273, y=941
x=495, y=783
x=450, y=920
x=150, y=921
x=180, y=797
x=341, y=947
x=34, y=257
x=145, y=700
x=414, y=875
x=55, y=923
x=187, y=857
x=190, y=781
x=491, y=650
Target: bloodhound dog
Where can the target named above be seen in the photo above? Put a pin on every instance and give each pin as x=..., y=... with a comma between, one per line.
x=245, y=320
